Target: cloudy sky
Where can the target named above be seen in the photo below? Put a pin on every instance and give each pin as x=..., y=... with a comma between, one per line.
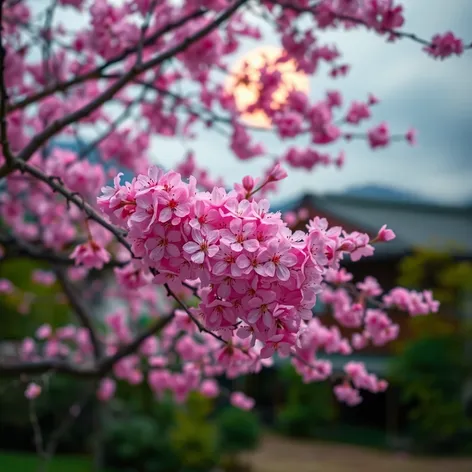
x=415, y=90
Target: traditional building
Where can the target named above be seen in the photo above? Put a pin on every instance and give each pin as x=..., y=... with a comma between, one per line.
x=416, y=225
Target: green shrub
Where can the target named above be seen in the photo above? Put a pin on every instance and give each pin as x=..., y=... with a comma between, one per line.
x=308, y=407
x=193, y=436
x=160, y=436
x=139, y=444
x=238, y=430
x=431, y=372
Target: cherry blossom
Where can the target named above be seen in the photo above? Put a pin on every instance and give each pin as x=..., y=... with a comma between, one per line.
x=225, y=282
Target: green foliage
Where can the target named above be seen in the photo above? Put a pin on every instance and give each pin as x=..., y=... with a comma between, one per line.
x=31, y=462
x=51, y=406
x=308, y=409
x=438, y=270
x=43, y=308
x=193, y=437
x=138, y=443
x=431, y=372
x=239, y=430
x=432, y=368
x=161, y=436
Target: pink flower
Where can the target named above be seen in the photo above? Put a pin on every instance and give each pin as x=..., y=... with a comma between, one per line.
x=277, y=343
x=226, y=258
x=175, y=205
x=91, y=255
x=239, y=400
x=445, y=45
x=262, y=306
x=146, y=210
x=202, y=246
x=240, y=236
x=289, y=124
x=279, y=259
x=44, y=331
x=357, y=112
x=43, y=277
x=6, y=287
x=209, y=388
x=277, y=173
x=345, y=393
x=32, y=391
x=379, y=136
x=384, y=234
x=162, y=243
x=411, y=136
x=106, y=389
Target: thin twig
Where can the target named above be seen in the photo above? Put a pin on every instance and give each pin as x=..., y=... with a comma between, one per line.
x=132, y=347
x=97, y=73
x=7, y=154
x=75, y=198
x=135, y=71
x=38, y=436
x=80, y=310
x=65, y=425
x=340, y=16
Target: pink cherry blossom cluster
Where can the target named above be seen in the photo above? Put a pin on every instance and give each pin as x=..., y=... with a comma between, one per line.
x=141, y=70
x=257, y=281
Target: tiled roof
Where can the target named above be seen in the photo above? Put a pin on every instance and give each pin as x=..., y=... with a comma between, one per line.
x=415, y=224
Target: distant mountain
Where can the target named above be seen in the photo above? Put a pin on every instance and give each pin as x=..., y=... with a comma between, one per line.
x=378, y=192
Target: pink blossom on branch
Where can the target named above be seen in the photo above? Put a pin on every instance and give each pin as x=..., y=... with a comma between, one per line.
x=132, y=75
x=33, y=391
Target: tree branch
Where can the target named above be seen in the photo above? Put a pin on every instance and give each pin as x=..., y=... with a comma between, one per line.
x=40, y=367
x=396, y=33
x=97, y=371
x=97, y=73
x=135, y=71
x=3, y=97
x=18, y=248
x=75, y=198
x=81, y=311
x=132, y=347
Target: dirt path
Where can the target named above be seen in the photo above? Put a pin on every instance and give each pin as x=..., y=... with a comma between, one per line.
x=285, y=455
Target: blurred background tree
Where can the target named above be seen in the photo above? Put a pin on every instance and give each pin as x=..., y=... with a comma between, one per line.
x=433, y=368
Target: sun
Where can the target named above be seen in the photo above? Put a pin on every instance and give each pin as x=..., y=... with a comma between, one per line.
x=243, y=82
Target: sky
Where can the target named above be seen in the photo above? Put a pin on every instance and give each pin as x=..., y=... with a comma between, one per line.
x=415, y=90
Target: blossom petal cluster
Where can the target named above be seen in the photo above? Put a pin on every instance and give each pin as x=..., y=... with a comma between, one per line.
x=256, y=279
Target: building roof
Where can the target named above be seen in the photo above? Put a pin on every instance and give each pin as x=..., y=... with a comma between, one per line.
x=375, y=364
x=417, y=225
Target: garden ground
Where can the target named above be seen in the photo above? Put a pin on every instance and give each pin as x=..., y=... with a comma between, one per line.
x=278, y=454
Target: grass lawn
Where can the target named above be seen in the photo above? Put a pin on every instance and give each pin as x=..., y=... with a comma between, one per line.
x=30, y=463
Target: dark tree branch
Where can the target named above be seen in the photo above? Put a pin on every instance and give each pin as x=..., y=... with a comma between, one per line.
x=65, y=425
x=132, y=347
x=99, y=370
x=7, y=154
x=199, y=325
x=97, y=73
x=395, y=33
x=55, y=184
x=134, y=72
x=47, y=43
x=33, y=367
x=17, y=248
x=113, y=126
x=81, y=311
